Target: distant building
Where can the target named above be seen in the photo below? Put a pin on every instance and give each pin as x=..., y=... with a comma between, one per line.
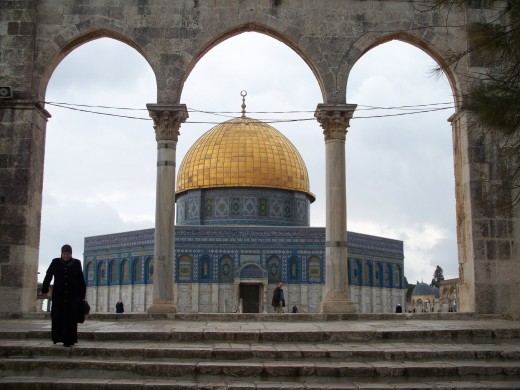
x=425, y=299
x=243, y=215
x=449, y=292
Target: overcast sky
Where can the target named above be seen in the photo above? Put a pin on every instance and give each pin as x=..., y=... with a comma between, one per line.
x=100, y=171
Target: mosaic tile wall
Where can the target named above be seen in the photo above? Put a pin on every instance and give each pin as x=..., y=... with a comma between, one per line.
x=211, y=254
x=258, y=206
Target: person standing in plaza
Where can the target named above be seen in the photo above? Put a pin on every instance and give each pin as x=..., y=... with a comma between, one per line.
x=68, y=291
x=278, y=301
x=120, y=307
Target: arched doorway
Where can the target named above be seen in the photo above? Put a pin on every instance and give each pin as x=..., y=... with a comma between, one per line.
x=250, y=289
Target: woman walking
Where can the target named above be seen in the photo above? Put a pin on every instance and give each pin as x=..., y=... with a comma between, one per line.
x=68, y=291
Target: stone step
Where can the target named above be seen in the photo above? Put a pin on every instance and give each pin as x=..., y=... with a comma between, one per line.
x=203, y=354
x=242, y=351
x=206, y=371
x=452, y=334
x=52, y=383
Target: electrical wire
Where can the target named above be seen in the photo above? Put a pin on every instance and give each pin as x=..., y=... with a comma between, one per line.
x=409, y=110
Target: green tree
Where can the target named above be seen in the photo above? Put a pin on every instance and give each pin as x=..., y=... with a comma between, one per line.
x=494, y=98
x=438, y=277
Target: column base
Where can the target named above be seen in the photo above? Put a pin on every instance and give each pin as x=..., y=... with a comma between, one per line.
x=337, y=303
x=162, y=307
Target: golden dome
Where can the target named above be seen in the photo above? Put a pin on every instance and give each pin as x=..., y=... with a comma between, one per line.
x=243, y=152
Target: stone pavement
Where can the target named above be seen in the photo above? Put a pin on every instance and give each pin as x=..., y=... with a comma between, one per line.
x=260, y=327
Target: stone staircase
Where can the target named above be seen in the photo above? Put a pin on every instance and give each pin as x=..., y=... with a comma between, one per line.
x=270, y=352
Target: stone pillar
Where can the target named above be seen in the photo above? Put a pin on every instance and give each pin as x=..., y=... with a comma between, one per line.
x=167, y=120
x=22, y=139
x=334, y=119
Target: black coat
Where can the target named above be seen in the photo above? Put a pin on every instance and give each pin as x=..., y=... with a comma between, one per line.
x=120, y=307
x=277, y=297
x=68, y=290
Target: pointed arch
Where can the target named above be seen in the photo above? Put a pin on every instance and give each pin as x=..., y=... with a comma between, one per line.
x=49, y=64
x=316, y=65
x=369, y=43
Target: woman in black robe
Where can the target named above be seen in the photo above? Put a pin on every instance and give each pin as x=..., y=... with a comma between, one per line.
x=68, y=291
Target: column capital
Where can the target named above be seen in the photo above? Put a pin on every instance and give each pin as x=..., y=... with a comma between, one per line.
x=334, y=119
x=167, y=119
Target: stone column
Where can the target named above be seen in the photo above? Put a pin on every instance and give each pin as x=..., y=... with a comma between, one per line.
x=167, y=120
x=22, y=145
x=334, y=119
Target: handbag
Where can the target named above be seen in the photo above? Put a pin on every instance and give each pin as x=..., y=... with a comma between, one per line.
x=84, y=309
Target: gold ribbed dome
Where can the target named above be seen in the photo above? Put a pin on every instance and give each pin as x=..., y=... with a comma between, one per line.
x=243, y=152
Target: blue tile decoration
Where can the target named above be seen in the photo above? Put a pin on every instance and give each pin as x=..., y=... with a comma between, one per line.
x=243, y=205
x=286, y=254
x=251, y=271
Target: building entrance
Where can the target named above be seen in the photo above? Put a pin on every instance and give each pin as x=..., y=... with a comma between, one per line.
x=250, y=295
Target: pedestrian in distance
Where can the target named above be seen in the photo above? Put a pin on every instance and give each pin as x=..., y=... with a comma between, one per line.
x=278, y=300
x=120, y=307
x=68, y=293
x=398, y=308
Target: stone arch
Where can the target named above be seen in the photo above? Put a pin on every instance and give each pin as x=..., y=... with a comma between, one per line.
x=368, y=43
x=318, y=65
x=49, y=64
x=349, y=30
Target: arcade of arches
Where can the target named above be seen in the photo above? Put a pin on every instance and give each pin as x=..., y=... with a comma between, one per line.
x=172, y=37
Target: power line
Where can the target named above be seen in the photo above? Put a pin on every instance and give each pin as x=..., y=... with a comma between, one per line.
x=252, y=112
x=409, y=110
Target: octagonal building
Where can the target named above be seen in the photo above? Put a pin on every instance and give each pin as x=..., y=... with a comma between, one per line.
x=243, y=214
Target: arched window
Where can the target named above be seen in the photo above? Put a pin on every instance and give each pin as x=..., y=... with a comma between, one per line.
x=112, y=272
x=125, y=272
x=378, y=275
x=387, y=275
x=225, y=273
x=90, y=274
x=397, y=280
x=102, y=274
x=138, y=270
x=367, y=273
x=354, y=271
x=314, y=269
x=149, y=271
x=293, y=269
x=205, y=268
x=273, y=270
x=184, y=265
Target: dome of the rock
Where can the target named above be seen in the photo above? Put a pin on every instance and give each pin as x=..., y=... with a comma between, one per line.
x=243, y=152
